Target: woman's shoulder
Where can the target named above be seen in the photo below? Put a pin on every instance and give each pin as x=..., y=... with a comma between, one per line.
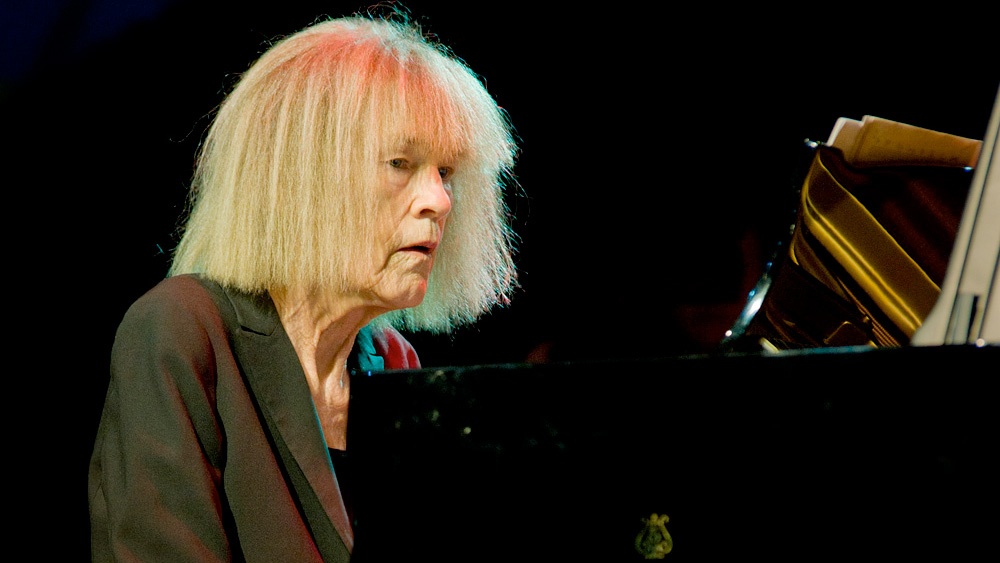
x=173, y=300
x=182, y=287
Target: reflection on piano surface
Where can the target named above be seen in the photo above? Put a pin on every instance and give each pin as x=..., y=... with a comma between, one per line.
x=821, y=455
x=881, y=227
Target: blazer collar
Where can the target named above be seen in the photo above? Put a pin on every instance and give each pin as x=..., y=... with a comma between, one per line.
x=275, y=375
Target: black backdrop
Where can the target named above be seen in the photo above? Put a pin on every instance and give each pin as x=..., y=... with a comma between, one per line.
x=660, y=152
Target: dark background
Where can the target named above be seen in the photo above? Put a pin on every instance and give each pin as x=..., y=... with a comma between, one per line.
x=661, y=147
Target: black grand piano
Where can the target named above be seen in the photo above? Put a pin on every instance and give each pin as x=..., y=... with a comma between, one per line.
x=820, y=431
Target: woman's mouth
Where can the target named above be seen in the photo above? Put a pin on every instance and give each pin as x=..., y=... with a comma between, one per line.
x=423, y=248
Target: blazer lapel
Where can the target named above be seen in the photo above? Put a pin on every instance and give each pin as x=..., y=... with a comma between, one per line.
x=275, y=375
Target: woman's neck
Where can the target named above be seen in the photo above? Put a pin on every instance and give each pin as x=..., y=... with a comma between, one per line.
x=323, y=331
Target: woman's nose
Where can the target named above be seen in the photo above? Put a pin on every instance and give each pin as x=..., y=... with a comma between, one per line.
x=434, y=197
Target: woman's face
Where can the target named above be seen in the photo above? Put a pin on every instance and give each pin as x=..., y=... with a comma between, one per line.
x=415, y=199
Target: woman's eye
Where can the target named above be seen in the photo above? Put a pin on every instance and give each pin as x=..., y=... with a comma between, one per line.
x=445, y=172
x=397, y=162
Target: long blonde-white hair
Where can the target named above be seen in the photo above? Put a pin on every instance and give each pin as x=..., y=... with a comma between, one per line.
x=282, y=193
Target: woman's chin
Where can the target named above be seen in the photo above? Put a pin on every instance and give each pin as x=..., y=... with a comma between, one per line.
x=406, y=298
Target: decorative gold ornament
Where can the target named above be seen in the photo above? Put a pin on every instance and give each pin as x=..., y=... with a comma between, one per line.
x=654, y=541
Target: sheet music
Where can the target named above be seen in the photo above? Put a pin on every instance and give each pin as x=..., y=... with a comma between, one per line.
x=877, y=141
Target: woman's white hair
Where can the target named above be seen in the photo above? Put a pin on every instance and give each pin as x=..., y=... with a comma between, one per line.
x=283, y=188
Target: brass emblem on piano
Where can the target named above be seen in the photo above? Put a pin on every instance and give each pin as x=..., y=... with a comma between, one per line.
x=654, y=541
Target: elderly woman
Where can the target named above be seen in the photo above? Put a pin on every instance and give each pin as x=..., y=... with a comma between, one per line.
x=350, y=185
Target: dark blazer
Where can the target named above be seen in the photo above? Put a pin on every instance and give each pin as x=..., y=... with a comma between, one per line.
x=209, y=447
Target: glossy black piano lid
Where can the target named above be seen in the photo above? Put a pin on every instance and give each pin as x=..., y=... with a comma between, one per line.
x=816, y=455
